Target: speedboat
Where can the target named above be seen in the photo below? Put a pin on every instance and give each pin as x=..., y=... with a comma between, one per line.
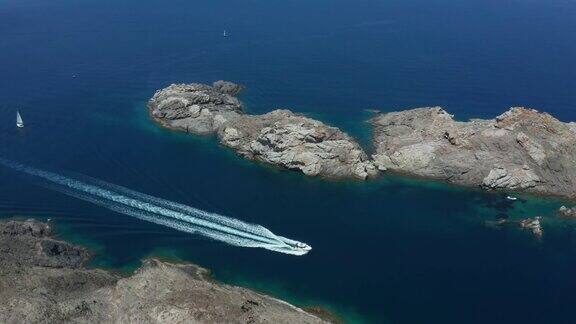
x=294, y=247
x=511, y=198
x=303, y=246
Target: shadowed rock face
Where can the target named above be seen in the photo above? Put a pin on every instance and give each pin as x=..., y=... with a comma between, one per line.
x=280, y=137
x=42, y=280
x=521, y=149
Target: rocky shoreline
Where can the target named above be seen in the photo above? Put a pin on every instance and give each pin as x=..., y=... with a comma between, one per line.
x=520, y=150
x=280, y=137
x=44, y=280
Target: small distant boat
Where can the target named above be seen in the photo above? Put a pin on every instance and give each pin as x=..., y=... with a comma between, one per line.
x=224, y=34
x=511, y=198
x=19, y=121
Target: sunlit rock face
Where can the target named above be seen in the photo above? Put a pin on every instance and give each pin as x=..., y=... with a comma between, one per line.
x=280, y=137
x=522, y=149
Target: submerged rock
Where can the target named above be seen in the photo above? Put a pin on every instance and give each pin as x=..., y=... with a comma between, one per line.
x=42, y=280
x=280, y=137
x=531, y=224
x=521, y=149
x=568, y=212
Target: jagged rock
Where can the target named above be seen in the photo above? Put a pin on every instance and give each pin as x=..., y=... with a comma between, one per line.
x=227, y=87
x=533, y=149
x=298, y=143
x=522, y=149
x=568, y=212
x=533, y=225
x=41, y=281
x=21, y=228
x=280, y=137
x=194, y=107
x=518, y=178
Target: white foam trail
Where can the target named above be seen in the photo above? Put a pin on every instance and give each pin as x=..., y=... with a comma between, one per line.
x=163, y=212
x=187, y=210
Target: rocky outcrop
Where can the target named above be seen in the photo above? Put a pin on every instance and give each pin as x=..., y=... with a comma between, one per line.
x=567, y=212
x=281, y=137
x=227, y=87
x=297, y=143
x=521, y=149
x=43, y=280
x=533, y=225
x=194, y=108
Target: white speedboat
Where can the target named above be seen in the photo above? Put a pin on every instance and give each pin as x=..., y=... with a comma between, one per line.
x=224, y=34
x=294, y=247
x=303, y=246
x=19, y=121
x=511, y=198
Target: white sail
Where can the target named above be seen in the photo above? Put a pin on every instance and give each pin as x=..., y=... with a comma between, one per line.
x=19, y=121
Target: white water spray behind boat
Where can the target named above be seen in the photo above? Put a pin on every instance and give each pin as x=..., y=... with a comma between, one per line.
x=163, y=212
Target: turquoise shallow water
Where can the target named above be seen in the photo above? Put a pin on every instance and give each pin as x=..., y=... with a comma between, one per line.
x=394, y=249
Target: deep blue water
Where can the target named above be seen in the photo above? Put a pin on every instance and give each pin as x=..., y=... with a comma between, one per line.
x=394, y=249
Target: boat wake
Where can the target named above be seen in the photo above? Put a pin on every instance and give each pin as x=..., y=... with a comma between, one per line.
x=163, y=212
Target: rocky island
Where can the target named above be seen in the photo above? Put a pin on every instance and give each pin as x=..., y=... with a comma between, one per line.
x=44, y=280
x=522, y=149
x=280, y=137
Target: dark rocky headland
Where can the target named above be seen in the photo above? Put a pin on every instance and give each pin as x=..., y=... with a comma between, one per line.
x=520, y=150
x=43, y=280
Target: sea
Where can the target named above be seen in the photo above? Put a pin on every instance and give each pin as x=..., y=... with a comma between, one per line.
x=390, y=250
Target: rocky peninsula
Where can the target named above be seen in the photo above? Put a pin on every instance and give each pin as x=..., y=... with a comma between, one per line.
x=520, y=150
x=280, y=137
x=44, y=280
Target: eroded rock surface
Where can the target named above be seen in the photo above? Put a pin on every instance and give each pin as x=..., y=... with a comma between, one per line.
x=521, y=149
x=281, y=137
x=195, y=108
x=533, y=225
x=567, y=211
x=42, y=280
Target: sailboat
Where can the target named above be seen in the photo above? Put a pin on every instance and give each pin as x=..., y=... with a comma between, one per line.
x=224, y=34
x=19, y=121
